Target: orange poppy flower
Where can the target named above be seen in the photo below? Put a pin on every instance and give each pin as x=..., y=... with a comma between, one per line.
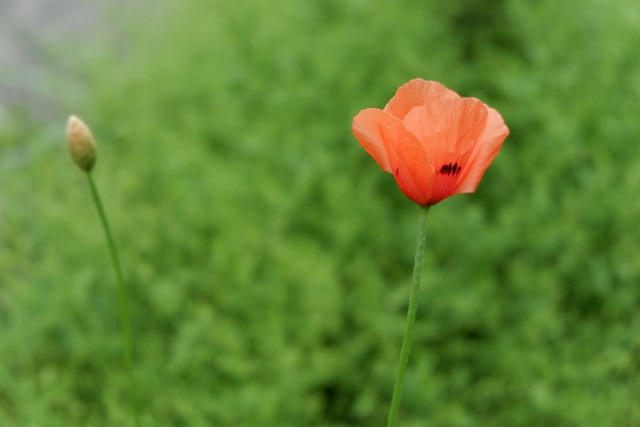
x=435, y=143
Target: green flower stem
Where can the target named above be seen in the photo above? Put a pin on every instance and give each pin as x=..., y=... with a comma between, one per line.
x=123, y=302
x=411, y=317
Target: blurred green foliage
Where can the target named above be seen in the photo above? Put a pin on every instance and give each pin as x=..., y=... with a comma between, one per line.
x=269, y=258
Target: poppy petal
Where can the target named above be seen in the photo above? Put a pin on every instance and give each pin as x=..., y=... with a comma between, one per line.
x=417, y=92
x=396, y=150
x=369, y=131
x=448, y=131
x=494, y=134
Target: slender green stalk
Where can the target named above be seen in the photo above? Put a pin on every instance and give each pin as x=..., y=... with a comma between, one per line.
x=123, y=302
x=411, y=317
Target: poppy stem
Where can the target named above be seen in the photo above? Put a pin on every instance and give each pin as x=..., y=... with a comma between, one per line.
x=123, y=302
x=411, y=317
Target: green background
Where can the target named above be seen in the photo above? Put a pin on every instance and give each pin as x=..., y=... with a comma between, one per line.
x=269, y=257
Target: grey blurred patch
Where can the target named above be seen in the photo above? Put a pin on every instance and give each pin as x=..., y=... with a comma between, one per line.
x=30, y=33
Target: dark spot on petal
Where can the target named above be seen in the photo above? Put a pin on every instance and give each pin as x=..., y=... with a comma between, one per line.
x=397, y=172
x=450, y=169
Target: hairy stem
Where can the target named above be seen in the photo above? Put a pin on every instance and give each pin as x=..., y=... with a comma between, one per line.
x=411, y=317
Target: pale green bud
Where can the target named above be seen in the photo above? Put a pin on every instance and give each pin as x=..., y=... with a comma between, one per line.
x=82, y=146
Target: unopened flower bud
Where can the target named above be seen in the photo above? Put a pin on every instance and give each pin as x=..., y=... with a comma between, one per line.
x=82, y=146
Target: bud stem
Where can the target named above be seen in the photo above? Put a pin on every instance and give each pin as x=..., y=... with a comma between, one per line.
x=123, y=302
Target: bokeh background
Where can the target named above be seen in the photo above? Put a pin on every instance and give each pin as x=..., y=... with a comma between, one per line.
x=269, y=257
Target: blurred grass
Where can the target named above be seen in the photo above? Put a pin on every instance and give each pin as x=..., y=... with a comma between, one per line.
x=270, y=258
